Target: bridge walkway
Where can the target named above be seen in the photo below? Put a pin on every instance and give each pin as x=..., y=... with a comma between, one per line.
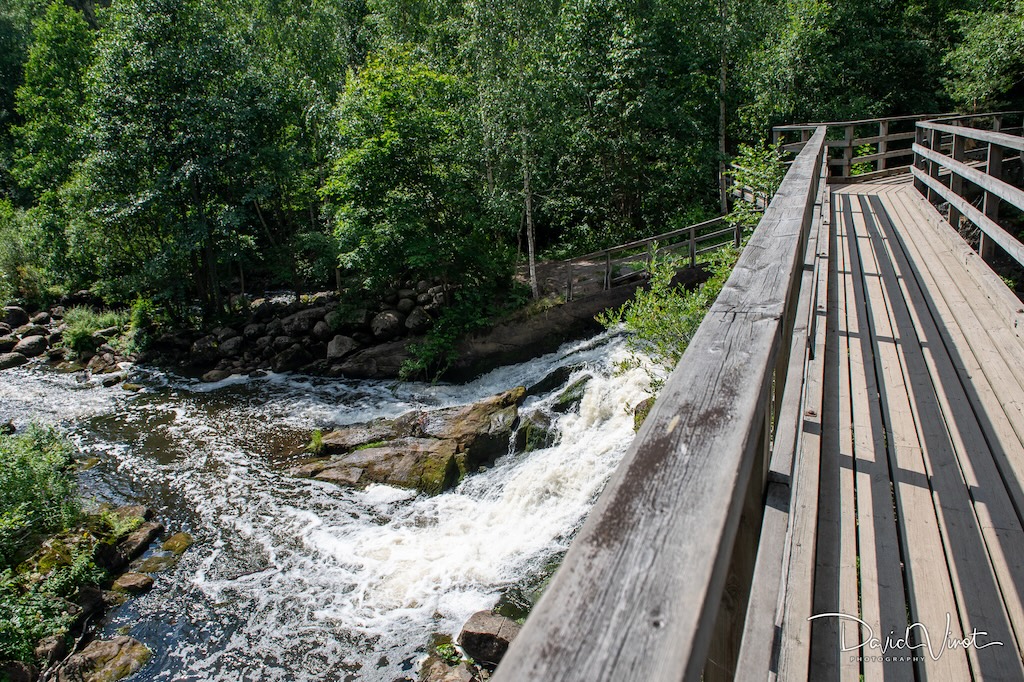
x=919, y=500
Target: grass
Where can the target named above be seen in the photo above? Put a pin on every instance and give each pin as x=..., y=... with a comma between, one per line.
x=82, y=322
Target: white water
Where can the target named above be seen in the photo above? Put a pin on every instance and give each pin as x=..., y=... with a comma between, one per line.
x=294, y=579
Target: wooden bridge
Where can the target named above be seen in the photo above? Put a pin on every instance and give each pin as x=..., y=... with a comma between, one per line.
x=831, y=484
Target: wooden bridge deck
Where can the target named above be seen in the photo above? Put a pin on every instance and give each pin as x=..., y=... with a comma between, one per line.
x=919, y=482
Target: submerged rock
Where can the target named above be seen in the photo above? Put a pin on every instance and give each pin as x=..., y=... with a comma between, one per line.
x=177, y=543
x=570, y=398
x=105, y=661
x=485, y=636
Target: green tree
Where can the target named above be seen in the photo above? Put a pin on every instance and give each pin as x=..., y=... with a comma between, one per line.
x=987, y=66
x=407, y=194
x=180, y=128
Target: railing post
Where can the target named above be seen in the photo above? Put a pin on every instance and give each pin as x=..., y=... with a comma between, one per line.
x=848, y=151
x=607, y=270
x=883, y=144
x=920, y=137
x=568, y=281
x=994, y=168
x=956, y=183
x=934, y=143
x=693, y=247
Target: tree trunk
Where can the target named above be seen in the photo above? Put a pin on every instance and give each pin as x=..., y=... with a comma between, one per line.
x=723, y=194
x=531, y=246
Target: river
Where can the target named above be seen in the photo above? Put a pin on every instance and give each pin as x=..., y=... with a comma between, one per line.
x=293, y=579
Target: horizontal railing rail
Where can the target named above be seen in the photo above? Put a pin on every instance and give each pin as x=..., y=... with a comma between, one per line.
x=645, y=249
x=890, y=139
x=656, y=584
x=966, y=168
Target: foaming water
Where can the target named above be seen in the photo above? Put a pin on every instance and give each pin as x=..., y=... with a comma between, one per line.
x=293, y=579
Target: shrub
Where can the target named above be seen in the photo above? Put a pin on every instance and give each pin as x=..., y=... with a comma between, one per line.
x=662, y=318
x=38, y=490
x=82, y=322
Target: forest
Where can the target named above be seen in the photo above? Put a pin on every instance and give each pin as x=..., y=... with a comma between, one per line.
x=184, y=151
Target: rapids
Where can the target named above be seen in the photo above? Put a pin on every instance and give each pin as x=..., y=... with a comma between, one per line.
x=293, y=579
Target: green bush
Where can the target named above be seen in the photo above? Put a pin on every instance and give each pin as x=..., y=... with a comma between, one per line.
x=82, y=322
x=662, y=319
x=38, y=490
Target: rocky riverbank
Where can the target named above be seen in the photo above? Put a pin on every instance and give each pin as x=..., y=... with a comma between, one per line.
x=78, y=575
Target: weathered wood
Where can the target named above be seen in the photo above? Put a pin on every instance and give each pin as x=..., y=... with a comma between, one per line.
x=1003, y=190
x=997, y=234
x=644, y=577
x=1000, y=138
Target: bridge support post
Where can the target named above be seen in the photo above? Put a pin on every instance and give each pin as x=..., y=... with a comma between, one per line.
x=847, y=151
x=994, y=168
x=883, y=143
x=956, y=183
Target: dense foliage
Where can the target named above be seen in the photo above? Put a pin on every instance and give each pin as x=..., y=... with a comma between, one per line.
x=188, y=150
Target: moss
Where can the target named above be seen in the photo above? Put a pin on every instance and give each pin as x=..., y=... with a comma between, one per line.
x=571, y=396
x=640, y=412
x=367, y=446
x=438, y=474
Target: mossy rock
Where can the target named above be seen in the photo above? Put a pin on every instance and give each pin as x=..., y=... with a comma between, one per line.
x=177, y=543
x=640, y=412
x=156, y=564
x=535, y=433
x=570, y=398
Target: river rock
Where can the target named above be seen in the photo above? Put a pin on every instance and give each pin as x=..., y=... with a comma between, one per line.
x=32, y=330
x=291, y=359
x=254, y=330
x=438, y=671
x=16, y=671
x=215, y=375
x=572, y=396
x=303, y=321
x=485, y=636
x=418, y=321
x=379, y=361
x=406, y=305
x=8, y=360
x=51, y=649
x=204, y=350
x=177, y=543
x=107, y=333
x=425, y=450
x=5, y=328
x=134, y=511
x=231, y=347
x=133, y=583
x=282, y=342
x=105, y=661
x=425, y=464
x=111, y=380
x=102, y=363
x=340, y=346
x=322, y=330
x=40, y=318
x=224, y=333
x=31, y=346
x=8, y=342
x=15, y=316
x=113, y=559
x=387, y=325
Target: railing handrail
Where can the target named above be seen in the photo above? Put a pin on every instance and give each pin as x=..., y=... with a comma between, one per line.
x=639, y=593
x=940, y=176
x=648, y=240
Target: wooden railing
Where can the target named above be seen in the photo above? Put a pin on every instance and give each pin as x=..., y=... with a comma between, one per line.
x=890, y=138
x=656, y=585
x=643, y=250
x=958, y=162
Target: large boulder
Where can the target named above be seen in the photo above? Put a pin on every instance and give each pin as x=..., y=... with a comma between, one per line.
x=387, y=325
x=204, y=350
x=379, y=361
x=427, y=450
x=15, y=316
x=485, y=636
x=340, y=346
x=40, y=318
x=32, y=330
x=291, y=359
x=303, y=321
x=322, y=331
x=425, y=464
x=418, y=321
x=8, y=342
x=105, y=661
x=231, y=347
x=31, y=346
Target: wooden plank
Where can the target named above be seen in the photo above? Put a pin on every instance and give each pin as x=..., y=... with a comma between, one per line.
x=795, y=637
x=1008, y=242
x=929, y=589
x=985, y=542
x=883, y=601
x=641, y=585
